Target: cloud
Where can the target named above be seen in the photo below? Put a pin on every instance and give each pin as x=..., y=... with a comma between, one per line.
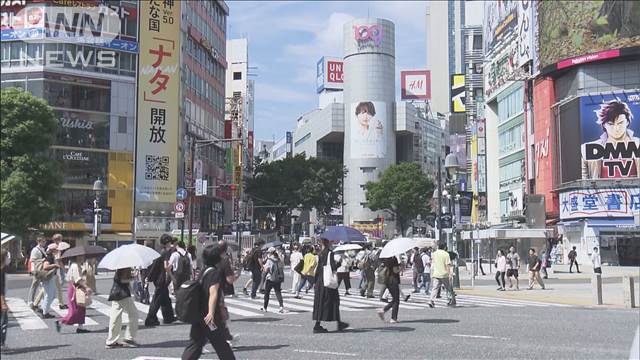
x=326, y=40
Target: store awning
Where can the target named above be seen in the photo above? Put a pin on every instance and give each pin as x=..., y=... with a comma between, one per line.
x=617, y=223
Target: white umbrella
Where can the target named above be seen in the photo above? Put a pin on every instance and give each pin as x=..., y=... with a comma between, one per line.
x=6, y=238
x=397, y=246
x=63, y=246
x=132, y=255
x=347, y=247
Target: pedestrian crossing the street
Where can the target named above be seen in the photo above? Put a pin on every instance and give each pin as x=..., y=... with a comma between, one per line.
x=244, y=307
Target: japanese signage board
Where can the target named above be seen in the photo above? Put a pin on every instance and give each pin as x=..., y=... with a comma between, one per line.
x=610, y=202
x=610, y=128
x=500, y=20
x=415, y=85
x=457, y=93
x=329, y=74
x=524, y=31
x=158, y=102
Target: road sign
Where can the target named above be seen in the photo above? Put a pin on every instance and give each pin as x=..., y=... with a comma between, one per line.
x=179, y=206
x=181, y=194
x=179, y=215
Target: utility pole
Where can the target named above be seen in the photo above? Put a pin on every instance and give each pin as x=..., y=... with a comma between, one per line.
x=191, y=197
x=439, y=199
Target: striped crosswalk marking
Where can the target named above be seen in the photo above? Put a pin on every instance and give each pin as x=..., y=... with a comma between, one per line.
x=106, y=310
x=26, y=318
x=62, y=313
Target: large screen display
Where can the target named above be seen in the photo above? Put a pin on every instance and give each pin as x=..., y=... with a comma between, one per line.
x=569, y=29
x=610, y=125
x=368, y=130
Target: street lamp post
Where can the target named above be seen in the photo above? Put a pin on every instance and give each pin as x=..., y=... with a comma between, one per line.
x=98, y=188
x=452, y=167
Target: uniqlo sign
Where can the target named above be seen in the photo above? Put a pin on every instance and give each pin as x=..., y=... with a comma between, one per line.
x=415, y=84
x=329, y=74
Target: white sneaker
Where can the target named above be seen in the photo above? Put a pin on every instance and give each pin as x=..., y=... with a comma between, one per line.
x=281, y=310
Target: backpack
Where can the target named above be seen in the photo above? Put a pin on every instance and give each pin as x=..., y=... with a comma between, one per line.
x=277, y=272
x=190, y=302
x=37, y=267
x=251, y=260
x=183, y=271
x=364, y=263
x=417, y=262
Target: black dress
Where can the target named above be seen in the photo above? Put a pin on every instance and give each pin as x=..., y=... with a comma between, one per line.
x=326, y=302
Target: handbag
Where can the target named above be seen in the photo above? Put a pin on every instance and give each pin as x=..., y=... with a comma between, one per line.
x=329, y=277
x=82, y=298
x=298, y=268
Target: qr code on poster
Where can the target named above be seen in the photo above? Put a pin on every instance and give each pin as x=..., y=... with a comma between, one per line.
x=156, y=168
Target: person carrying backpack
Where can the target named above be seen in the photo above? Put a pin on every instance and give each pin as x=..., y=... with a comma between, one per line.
x=159, y=274
x=203, y=302
x=274, y=270
x=368, y=267
x=255, y=264
x=180, y=261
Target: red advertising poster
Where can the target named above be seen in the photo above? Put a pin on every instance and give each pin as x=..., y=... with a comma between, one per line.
x=544, y=144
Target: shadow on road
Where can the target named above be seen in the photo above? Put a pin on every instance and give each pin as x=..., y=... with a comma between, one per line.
x=167, y=344
x=30, y=349
x=382, y=329
x=258, y=347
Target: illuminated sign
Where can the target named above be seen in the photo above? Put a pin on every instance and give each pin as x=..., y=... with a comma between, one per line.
x=368, y=35
x=329, y=74
x=612, y=202
x=415, y=85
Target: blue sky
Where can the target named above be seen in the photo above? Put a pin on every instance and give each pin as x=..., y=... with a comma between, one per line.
x=287, y=38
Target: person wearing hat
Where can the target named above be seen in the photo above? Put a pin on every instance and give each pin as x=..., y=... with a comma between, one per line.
x=49, y=282
x=274, y=274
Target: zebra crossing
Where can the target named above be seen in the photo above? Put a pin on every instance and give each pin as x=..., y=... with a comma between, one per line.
x=243, y=306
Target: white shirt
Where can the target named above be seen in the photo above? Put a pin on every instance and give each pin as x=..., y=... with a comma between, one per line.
x=73, y=274
x=295, y=258
x=175, y=256
x=595, y=259
x=502, y=263
x=426, y=261
x=344, y=265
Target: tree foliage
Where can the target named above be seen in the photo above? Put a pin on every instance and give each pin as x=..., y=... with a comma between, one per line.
x=293, y=183
x=30, y=179
x=403, y=191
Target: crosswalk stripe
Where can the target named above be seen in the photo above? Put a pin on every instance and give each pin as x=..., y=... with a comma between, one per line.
x=106, y=310
x=62, y=313
x=287, y=305
x=253, y=307
x=144, y=308
x=517, y=301
x=26, y=318
x=377, y=303
x=310, y=303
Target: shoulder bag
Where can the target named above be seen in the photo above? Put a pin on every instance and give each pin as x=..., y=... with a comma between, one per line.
x=329, y=277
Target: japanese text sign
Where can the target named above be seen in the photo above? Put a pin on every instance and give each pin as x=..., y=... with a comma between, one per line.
x=158, y=101
x=612, y=202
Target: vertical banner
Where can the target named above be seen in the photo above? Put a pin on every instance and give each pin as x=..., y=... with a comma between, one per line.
x=458, y=93
x=158, y=97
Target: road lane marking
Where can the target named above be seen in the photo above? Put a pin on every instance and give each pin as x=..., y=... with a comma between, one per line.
x=26, y=318
x=324, y=352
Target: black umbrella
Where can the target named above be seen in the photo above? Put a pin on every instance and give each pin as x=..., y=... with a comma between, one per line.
x=271, y=244
x=87, y=250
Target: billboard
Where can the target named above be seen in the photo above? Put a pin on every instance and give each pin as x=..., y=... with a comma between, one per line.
x=500, y=20
x=369, y=130
x=329, y=74
x=611, y=202
x=610, y=147
x=415, y=84
x=571, y=29
x=158, y=100
x=457, y=93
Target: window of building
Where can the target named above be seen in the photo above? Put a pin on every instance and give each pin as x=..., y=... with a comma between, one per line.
x=237, y=75
x=510, y=105
x=367, y=170
x=477, y=42
x=122, y=124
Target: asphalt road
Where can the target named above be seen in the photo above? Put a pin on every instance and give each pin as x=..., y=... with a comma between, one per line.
x=479, y=328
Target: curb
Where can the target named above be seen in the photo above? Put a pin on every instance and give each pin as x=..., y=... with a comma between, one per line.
x=515, y=295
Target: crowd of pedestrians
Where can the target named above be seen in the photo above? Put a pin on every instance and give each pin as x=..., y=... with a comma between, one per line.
x=316, y=267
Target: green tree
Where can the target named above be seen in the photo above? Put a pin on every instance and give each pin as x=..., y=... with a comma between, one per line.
x=30, y=179
x=295, y=183
x=403, y=191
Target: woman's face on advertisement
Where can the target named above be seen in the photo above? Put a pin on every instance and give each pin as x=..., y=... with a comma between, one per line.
x=364, y=117
x=618, y=129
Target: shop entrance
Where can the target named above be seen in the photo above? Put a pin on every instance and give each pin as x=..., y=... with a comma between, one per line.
x=620, y=248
